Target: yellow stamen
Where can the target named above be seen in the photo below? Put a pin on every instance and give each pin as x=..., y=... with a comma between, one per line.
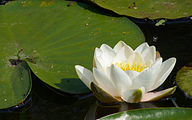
x=118, y=65
x=127, y=66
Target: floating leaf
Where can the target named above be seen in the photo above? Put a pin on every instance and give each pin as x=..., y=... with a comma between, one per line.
x=55, y=36
x=152, y=114
x=15, y=84
x=184, y=80
x=152, y=9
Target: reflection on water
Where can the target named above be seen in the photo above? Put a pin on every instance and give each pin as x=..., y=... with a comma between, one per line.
x=170, y=40
x=97, y=110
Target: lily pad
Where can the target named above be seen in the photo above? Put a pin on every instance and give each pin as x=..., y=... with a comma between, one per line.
x=184, y=80
x=54, y=36
x=152, y=9
x=15, y=84
x=152, y=114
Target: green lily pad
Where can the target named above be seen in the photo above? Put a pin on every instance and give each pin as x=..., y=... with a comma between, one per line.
x=152, y=114
x=184, y=80
x=152, y=9
x=15, y=84
x=54, y=36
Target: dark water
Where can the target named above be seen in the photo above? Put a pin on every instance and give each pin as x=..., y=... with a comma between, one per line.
x=174, y=39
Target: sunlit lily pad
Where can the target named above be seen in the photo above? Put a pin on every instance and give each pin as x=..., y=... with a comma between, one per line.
x=55, y=36
x=152, y=114
x=152, y=9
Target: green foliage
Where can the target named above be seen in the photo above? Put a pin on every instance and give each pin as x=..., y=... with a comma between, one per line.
x=52, y=37
x=152, y=9
x=184, y=79
x=152, y=114
x=15, y=84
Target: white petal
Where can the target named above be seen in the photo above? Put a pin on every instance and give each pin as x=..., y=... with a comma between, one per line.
x=148, y=63
x=144, y=79
x=97, y=55
x=104, y=57
x=123, y=54
x=85, y=75
x=149, y=53
x=99, y=65
x=134, y=95
x=121, y=44
x=120, y=56
x=132, y=74
x=128, y=51
x=136, y=57
x=120, y=79
x=105, y=83
x=141, y=47
x=147, y=77
x=98, y=52
x=157, y=65
x=107, y=57
x=165, y=70
x=107, y=48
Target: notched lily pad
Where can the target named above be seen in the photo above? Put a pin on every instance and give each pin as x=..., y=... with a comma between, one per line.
x=15, y=61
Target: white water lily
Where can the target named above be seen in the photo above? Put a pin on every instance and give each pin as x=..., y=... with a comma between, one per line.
x=126, y=73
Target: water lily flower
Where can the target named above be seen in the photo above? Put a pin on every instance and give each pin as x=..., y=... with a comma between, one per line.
x=125, y=74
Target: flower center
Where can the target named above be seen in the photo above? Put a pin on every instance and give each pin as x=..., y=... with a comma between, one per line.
x=133, y=67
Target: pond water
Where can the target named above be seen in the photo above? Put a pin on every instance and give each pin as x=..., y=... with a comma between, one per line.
x=174, y=39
